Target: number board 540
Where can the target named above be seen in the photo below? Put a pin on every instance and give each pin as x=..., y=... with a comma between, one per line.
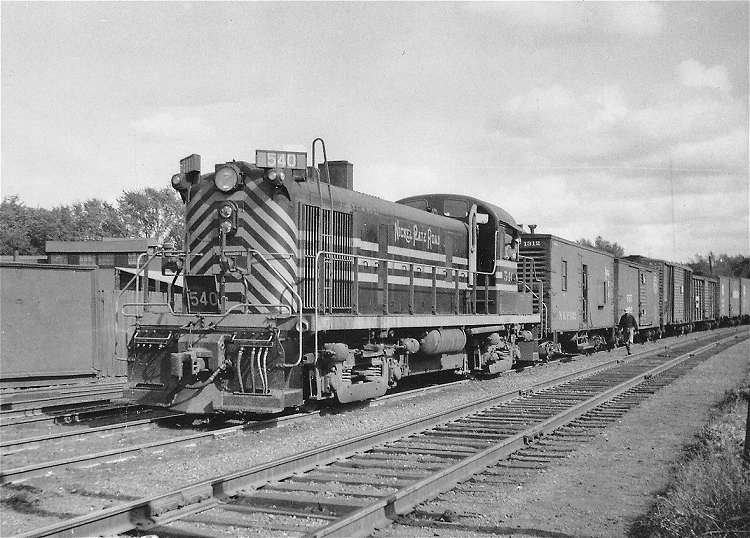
x=201, y=294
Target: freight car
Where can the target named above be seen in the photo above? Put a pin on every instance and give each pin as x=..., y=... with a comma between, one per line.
x=638, y=293
x=675, y=295
x=744, y=286
x=298, y=288
x=734, y=302
x=585, y=291
x=705, y=313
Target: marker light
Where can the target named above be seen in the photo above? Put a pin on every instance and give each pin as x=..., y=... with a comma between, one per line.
x=227, y=178
x=226, y=211
x=226, y=226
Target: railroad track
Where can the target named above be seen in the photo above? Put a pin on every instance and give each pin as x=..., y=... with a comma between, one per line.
x=353, y=486
x=22, y=406
x=524, y=465
x=26, y=445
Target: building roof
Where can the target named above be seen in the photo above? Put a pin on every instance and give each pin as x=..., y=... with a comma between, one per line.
x=104, y=246
x=24, y=258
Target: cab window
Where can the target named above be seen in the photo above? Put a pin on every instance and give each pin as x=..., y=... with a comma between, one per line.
x=417, y=204
x=456, y=209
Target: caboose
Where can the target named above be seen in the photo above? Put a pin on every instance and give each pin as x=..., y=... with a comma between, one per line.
x=298, y=288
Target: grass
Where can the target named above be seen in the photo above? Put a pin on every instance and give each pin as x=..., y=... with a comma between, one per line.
x=709, y=494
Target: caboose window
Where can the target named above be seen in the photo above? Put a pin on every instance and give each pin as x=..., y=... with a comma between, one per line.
x=564, y=276
x=456, y=208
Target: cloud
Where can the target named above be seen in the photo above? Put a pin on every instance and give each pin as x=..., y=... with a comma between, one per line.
x=171, y=125
x=587, y=163
x=557, y=127
x=694, y=74
x=634, y=19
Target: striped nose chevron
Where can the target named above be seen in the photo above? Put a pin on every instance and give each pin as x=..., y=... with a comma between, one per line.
x=263, y=225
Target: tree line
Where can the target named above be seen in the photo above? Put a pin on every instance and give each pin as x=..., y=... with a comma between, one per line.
x=143, y=213
x=158, y=213
x=708, y=265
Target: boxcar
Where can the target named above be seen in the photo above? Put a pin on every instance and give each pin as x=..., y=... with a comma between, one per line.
x=675, y=296
x=745, y=299
x=56, y=324
x=705, y=312
x=637, y=292
x=578, y=282
x=723, y=298
x=735, y=310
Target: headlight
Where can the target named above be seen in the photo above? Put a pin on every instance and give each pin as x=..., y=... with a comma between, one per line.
x=226, y=211
x=227, y=178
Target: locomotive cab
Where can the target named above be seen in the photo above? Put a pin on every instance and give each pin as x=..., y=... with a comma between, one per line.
x=493, y=233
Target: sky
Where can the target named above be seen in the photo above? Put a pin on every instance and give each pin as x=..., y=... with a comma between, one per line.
x=625, y=120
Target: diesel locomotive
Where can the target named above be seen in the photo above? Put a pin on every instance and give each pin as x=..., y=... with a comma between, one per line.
x=297, y=288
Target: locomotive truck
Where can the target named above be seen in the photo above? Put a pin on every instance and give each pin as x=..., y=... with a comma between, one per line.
x=298, y=288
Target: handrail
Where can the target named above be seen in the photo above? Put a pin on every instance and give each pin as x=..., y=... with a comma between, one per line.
x=122, y=291
x=457, y=271
x=205, y=314
x=541, y=302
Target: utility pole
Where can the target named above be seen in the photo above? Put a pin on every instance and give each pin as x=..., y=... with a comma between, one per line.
x=671, y=190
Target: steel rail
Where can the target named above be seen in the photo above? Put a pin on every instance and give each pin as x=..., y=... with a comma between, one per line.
x=30, y=471
x=361, y=522
x=16, y=407
x=162, y=509
x=87, y=431
x=56, y=389
x=295, y=416
x=66, y=415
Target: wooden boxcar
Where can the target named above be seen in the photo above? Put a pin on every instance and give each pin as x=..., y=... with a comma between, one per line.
x=734, y=298
x=675, y=296
x=56, y=324
x=579, y=295
x=723, y=297
x=705, y=308
x=745, y=299
x=637, y=288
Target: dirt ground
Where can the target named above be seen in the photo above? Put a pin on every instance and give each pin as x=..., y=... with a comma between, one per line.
x=602, y=487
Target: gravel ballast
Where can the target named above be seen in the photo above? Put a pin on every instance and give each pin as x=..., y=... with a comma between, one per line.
x=605, y=484
x=76, y=491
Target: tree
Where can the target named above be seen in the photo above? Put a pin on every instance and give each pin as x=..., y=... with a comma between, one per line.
x=721, y=264
x=152, y=213
x=602, y=244
x=95, y=219
x=14, y=234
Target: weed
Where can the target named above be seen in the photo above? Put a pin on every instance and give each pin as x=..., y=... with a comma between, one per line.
x=710, y=491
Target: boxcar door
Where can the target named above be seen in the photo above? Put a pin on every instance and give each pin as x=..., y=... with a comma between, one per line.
x=643, y=307
x=585, y=317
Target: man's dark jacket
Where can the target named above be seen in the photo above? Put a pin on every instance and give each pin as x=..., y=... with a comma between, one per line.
x=627, y=320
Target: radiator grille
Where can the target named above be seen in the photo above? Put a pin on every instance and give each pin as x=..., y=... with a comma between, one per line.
x=331, y=231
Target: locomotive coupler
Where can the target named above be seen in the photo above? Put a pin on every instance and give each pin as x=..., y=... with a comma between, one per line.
x=188, y=361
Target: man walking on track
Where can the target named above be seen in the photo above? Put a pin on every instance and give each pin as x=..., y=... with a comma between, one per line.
x=629, y=325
